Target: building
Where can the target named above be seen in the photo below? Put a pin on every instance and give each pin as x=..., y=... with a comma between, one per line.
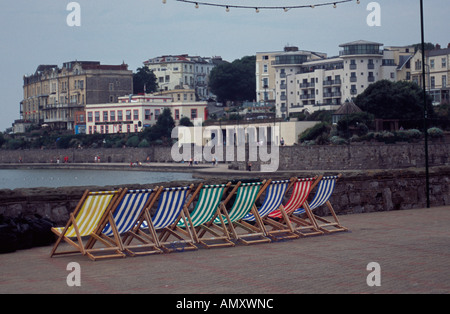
x=135, y=112
x=53, y=95
x=437, y=72
x=174, y=72
x=303, y=85
x=267, y=62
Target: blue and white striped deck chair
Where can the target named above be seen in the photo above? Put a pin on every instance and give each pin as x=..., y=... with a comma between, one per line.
x=167, y=214
x=125, y=217
x=246, y=196
x=273, y=199
x=321, y=197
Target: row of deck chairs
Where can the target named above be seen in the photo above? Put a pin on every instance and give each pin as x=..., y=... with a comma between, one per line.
x=126, y=222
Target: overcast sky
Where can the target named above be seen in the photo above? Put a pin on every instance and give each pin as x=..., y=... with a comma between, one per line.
x=132, y=31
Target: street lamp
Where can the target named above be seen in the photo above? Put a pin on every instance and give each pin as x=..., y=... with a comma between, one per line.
x=425, y=110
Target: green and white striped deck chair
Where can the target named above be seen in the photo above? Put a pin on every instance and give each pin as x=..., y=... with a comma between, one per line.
x=89, y=217
x=208, y=198
x=229, y=221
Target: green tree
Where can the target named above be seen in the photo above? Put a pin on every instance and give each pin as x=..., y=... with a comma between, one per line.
x=234, y=81
x=144, y=81
x=162, y=130
x=401, y=100
x=185, y=121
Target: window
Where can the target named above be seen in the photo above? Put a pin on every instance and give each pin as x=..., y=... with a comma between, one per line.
x=135, y=128
x=105, y=116
x=119, y=115
x=111, y=86
x=90, y=117
x=112, y=115
x=432, y=63
x=193, y=114
x=147, y=114
x=266, y=68
x=444, y=63
x=135, y=114
x=97, y=116
x=444, y=81
x=177, y=114
x=90, y=129
x=128, y=115
x=157, y=111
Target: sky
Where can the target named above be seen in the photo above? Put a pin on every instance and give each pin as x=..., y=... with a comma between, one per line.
x=133, y=31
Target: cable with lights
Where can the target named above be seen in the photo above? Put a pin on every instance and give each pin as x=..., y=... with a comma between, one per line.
x=257, y=9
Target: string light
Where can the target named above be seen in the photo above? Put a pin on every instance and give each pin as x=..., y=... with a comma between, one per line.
x=257, y=9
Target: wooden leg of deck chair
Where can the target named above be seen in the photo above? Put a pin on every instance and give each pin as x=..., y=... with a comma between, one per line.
x=306, y=227
x=61, y=236
x=336, y=225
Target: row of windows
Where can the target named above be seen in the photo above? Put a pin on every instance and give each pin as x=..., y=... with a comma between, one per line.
x=131, y=115
x=106, y=129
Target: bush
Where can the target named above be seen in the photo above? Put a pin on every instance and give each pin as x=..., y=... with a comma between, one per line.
x=337, y=140
x=435, y=132
x=315, y=132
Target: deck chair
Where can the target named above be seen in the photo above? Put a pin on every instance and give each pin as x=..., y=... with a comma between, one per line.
x=274, y=195
x=229, y=222
x=282, y=225
x=153, y=229
x=89, y=217
x=321, y=197
x=124, y=218
x=206, y=206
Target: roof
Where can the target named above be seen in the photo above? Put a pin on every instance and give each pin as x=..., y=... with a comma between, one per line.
x=360, y=42
x=348, y=107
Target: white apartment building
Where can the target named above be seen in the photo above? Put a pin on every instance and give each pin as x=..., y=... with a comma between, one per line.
x=183, y=72
x=133, y=113
x=325, y=83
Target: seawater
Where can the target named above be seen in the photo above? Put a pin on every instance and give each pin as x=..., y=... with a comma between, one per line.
x=32, y=178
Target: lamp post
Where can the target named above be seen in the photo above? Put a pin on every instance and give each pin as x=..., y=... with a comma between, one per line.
x=425, y=110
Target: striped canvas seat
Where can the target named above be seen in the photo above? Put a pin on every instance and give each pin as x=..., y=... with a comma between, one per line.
x=324, y=191
x=87, y=220
x=300, y=192
x=170, y=204
x=208, y=201
x=91, y=213
x=272, y=201
x=246, y=196
x=128, y=211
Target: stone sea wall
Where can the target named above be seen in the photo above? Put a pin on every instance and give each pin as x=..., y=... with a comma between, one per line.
x=356, y=192
x=356, y=156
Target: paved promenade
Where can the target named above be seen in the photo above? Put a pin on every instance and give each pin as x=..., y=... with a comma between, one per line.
x=412, y=248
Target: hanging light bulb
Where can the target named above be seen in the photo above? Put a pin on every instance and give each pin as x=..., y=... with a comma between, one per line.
x=164, y=1
x=256, y=10
x=196, y=5
x=358, y=2
x=312, y=6
x=227, y=9
x=334, y=5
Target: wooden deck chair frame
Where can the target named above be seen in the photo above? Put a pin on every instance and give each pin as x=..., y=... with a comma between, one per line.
x=124, y=218
x=230, y=221
x=207, y=199
x=321, y=197
x=160, y=225
x=282, y=225
x=89, y=217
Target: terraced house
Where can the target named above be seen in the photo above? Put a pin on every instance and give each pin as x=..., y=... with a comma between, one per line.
x=55, y=97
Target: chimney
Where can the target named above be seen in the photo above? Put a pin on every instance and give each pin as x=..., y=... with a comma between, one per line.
x=448, y=46
x=438, y=47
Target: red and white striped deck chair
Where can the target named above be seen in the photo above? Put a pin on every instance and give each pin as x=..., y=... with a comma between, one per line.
x=280, y=219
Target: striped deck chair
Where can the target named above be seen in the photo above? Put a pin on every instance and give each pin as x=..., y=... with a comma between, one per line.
x=273, y=199
x=89, y=217
x=230, y=221
x=280, y=218
x=322, y=197
x=124, y=218
x=206, y=206
x=170, y=206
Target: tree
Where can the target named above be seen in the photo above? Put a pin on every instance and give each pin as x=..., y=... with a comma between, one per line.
x=400, y=100
x=185, y=121
x=162, y=130
x=144, y=81
x=234, y=81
